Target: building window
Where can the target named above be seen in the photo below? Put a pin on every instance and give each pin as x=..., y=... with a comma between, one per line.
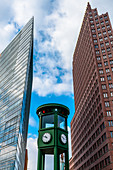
x=110, y=36
x=106, y=104
x=111, y=42
x=111, y=61
x=106, y=63
x=112, y=68
x=109, y=77
x=109, y=31
x=105, y=95
x=107, y=161
x=90, y=17
x=93, y=30
x=104, y=57
x=102, y=126
x=102, y=78
x=108, y=49
x=99, y=64
x=94, y=35
x=98, y=29
x=101, y=71
x=111, y=134
x=101, y=39
x=109, y=55
x=105, y=38
x=105, y=17
x=95, y=41
x=101, y=18
x=61, y=122
x=96, y=20
x=48, y=121
x=103, y=86
x=99, y=34
x=102, y=45
x=98, y=58
x=103, y=28
x=92, y=26
x=103, y=137
x=110, y=85
x=102, y=23
x=104, y=33
x=97, y=52
x=110, y=122
x=107, y=70
x=103, y=51
x=91, y=21
x=97, y=24
x=96, y=46
x=108, y=26
x=106, y=21
x=108, y=113
x=111, y=94
x=107, y=43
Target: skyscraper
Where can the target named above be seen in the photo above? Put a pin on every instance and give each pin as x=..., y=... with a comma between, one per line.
x=92, y=123
x=16, y=67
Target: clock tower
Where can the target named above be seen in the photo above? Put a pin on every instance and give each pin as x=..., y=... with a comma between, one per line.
x=53, y=135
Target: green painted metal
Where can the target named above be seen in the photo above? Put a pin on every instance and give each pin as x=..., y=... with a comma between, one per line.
x=55, y=145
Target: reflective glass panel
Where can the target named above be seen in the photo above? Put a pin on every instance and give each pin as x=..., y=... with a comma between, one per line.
x=47, y=121
x=61, y=122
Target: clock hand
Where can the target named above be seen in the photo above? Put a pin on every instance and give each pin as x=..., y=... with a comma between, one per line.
x=45, y=136
x=63, y=137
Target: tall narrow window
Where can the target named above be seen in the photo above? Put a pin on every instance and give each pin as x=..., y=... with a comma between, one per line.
x=102, y=78
x=110, y=122
x=111, y=94
x=103, y=86
x=106, y=104
x=105, y=95
x=107, y=70
x=108, y=113
x=99, y=64
x=109, y=77
x=111, y=134
x=111, y=61
x=110, y=85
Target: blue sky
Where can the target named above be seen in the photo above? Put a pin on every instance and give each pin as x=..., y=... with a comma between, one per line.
x=56, y=29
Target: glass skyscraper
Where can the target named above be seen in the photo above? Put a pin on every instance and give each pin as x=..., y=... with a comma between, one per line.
x=16, y=68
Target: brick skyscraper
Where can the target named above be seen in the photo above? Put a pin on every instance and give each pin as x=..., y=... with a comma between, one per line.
x=92, y=123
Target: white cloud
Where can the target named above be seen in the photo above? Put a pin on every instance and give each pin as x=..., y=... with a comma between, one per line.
x=32, y=153
x=60, y=22
x=7, y=33
x=32, y=122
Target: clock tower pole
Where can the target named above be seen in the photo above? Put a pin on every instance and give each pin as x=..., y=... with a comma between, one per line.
x=53, y=135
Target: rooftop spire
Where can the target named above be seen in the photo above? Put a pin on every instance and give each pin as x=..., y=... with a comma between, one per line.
x=88, y=6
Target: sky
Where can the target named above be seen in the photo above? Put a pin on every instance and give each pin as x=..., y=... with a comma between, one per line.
x=56, y=28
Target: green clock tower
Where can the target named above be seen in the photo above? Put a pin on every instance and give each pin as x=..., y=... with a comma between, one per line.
x=53, y=135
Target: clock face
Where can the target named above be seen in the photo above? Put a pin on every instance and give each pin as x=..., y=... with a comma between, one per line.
x=46, y=137
x=63, y=139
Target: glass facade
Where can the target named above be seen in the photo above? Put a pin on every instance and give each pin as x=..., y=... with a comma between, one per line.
x=16, y=67
x=62, y=122
x=48, y=121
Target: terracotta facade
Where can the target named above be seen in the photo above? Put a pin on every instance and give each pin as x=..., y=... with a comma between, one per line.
x=92, y=123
